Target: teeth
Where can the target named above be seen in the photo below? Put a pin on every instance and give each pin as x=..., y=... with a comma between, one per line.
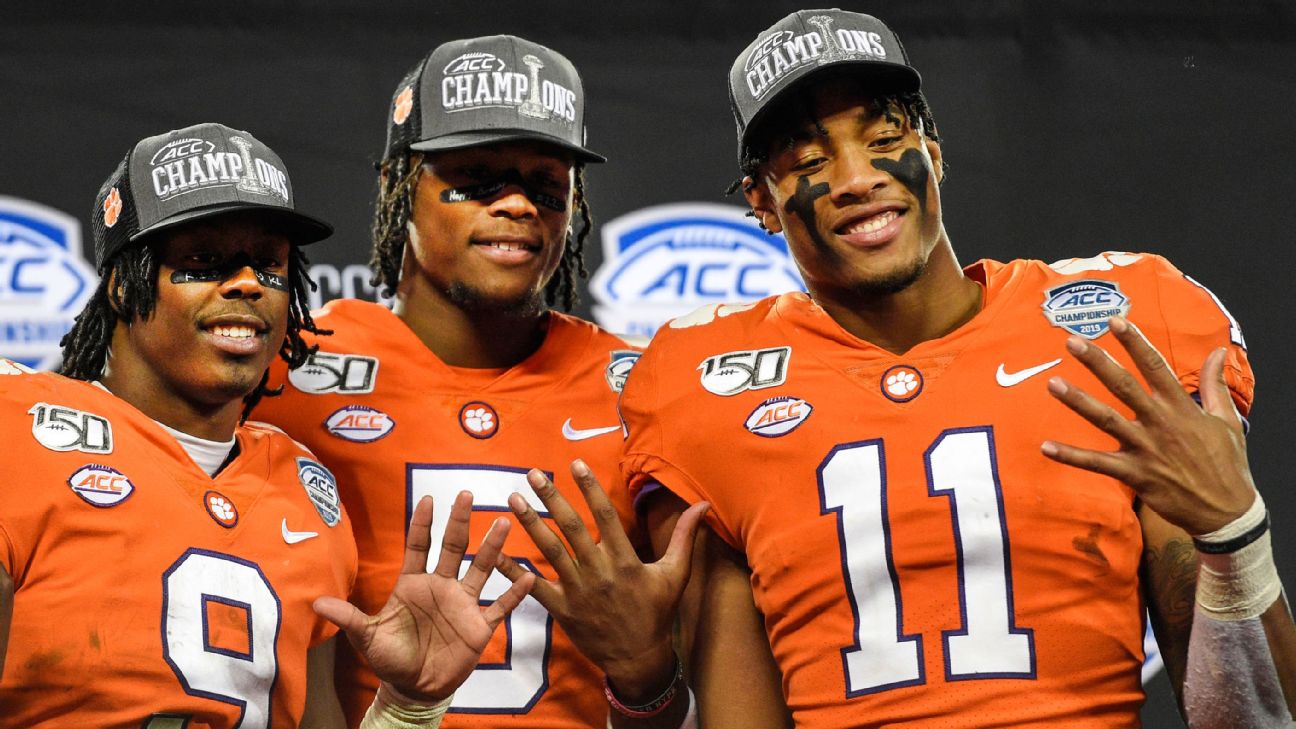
x=507, y=246
x=877, y=222
x=234, y=332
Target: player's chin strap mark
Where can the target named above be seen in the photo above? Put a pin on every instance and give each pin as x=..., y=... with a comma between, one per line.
x=226, y=269
x=491, y=188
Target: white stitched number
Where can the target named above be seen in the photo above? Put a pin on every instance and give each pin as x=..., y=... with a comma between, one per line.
x=245, y=679
x=961, y=466
x=515, y=685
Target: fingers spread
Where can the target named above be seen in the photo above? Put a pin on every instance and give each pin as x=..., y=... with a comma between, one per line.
x=1119, y=381
x=1149, y=361
x=1100, y=414
x=554, y=551
x=569, y=522
x=1108, y=464
x=1215, y=397
x=343, y=614
x=417, y=540
x=504, y=604
x=484, y=561
x=543, y=590
x=455, y=542
x=611, y=533
x=679, y=552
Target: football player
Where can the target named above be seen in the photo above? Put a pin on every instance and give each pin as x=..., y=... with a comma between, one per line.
x=889, y=543
x=162, y=563
x=470, y=380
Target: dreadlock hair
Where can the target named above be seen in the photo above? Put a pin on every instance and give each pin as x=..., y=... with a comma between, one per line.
x=397, y=184
x=128, y=291
x=911, y=103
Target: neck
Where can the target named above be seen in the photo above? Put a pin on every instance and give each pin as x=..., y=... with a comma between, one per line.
x=140, y=387
x=940, y=301
x=461, y=337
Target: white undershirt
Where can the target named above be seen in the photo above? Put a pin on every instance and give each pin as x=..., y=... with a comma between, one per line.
x=208, y=454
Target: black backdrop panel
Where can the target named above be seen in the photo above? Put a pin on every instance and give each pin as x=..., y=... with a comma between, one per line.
x=1070, y=127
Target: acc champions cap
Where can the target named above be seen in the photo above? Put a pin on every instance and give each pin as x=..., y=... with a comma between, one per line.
x=804, y=44
x=194, y=173
x=485, y=90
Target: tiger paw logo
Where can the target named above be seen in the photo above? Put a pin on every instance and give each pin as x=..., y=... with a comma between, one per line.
x=403, y=105
x=479, y=420
x=221, y=509
x=901, y=383
x=112, y=207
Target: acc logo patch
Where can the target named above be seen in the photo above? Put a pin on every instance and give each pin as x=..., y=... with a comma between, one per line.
x=359, y=424
x=64, y=429
x=325, y=372
x=478, y=419
x=662, y=262
x=221, y=509
x=1083, y=307
x=623, y=360
x=734, y=372
x=778, y=416
x=44, y=281
x=901, y=383
x=321, y=487
x=101, y=486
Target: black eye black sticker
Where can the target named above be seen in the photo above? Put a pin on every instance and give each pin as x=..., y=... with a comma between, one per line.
x=491, y=188
x=226, y=269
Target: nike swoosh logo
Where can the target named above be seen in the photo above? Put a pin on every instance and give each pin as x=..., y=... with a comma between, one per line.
x=1008, y=379
x=293, y=537
x=571, y=433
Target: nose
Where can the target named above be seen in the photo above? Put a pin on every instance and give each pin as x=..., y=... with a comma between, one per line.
x=242, y=283
x=853, y=177
x=513, y=202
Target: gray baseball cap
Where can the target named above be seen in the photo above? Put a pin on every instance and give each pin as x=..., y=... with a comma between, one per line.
x=803, y=45
x=497, y=88
x=194, y=173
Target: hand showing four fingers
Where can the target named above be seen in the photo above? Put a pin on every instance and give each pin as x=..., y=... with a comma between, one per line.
x=1187, y=462
x=430, y=635
x=617, y=610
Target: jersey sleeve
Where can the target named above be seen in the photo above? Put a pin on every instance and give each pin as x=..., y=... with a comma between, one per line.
x=1195, y=323
x=648, y=462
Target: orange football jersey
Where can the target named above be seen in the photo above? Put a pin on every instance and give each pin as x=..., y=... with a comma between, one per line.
x=396, y=423
x=148, y=594
x=917, y=560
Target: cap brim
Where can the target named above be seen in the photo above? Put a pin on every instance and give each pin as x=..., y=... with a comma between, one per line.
x=301, y=229
x=476, y=138
x=885, y=78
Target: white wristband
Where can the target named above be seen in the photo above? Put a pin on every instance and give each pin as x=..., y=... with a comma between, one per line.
x=1241, y=584
x=386, y=712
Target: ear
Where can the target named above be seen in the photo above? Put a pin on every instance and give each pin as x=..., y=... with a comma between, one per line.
x=934, y=151
x=762, y=204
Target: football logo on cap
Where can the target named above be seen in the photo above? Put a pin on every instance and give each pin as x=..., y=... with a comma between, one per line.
x=112, y=207
x=403, y=106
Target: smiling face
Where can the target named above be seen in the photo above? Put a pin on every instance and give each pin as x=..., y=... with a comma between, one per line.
x=220, y=317
x=854, y=190
x=489, y=225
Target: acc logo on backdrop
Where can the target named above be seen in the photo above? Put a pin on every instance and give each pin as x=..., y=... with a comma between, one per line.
x=44, y=281
x=665, y=261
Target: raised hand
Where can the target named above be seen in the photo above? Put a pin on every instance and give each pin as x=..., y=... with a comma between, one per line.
x=1188, y=463
x=618, y=611
x=430, y=635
